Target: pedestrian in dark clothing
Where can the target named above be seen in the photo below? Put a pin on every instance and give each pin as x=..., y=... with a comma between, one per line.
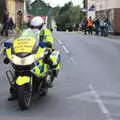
x=84, y=26
x=107, y=24
x=5, y=23
x=11, y=24
x=97, y=26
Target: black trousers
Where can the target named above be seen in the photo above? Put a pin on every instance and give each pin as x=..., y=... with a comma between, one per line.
x=102, y=30
x=90, y=30
x=97, y=30
x=5, y=29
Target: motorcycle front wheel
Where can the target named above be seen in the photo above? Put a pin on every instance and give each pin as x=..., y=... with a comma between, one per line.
x=24, y=96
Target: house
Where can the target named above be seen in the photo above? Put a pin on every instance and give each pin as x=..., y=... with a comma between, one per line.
x=111, y=10
x=13, y=6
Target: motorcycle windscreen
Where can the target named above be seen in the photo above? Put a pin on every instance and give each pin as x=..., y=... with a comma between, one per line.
x=24, y=44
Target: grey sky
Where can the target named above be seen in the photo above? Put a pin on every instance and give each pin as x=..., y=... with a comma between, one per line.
x=54, y=3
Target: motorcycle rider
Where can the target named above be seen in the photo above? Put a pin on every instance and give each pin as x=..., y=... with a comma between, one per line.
x=37, y=26
x=37, y=23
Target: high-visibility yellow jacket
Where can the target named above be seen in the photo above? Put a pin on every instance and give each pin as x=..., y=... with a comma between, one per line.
x=46, y=36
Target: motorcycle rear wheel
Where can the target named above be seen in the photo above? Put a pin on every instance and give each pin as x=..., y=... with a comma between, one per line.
x=43, y=91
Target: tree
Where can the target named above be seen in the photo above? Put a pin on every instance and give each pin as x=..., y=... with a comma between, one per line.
x=55, y=11
x=67, y=16
x=66, y=7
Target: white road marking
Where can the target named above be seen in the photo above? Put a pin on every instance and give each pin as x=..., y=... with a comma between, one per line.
x=72, y=60
x=1, y=50
x=59, y=42
x=66, y=50
x=100, y=103
x=92, y=96
x=63, y=46
x=98, y=100
x=89, y=97
x=81, y=96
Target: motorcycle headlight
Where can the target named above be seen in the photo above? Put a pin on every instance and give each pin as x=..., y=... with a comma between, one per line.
x=23, y=61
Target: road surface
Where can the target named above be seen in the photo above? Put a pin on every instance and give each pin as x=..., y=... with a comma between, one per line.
x=88, y=86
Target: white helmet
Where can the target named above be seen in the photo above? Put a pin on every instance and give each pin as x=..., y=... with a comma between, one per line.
x=36, y=21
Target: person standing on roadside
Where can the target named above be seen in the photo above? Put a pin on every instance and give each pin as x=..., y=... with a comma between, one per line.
x=97, y=25
x=11, y=24
x=90, y=26
x=84, y=26
x=20, y=18
x=107, y=24
x=102, y=26
x=5, y=23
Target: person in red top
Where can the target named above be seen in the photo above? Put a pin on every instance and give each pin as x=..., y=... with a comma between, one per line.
x=90, y=26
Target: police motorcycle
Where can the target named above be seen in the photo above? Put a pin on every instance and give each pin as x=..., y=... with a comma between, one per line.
x=30, y=74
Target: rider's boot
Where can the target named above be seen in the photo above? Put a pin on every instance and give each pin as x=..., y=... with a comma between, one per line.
x=13, y=95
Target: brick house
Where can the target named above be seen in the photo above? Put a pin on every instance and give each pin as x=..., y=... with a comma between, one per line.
x=110, y=9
